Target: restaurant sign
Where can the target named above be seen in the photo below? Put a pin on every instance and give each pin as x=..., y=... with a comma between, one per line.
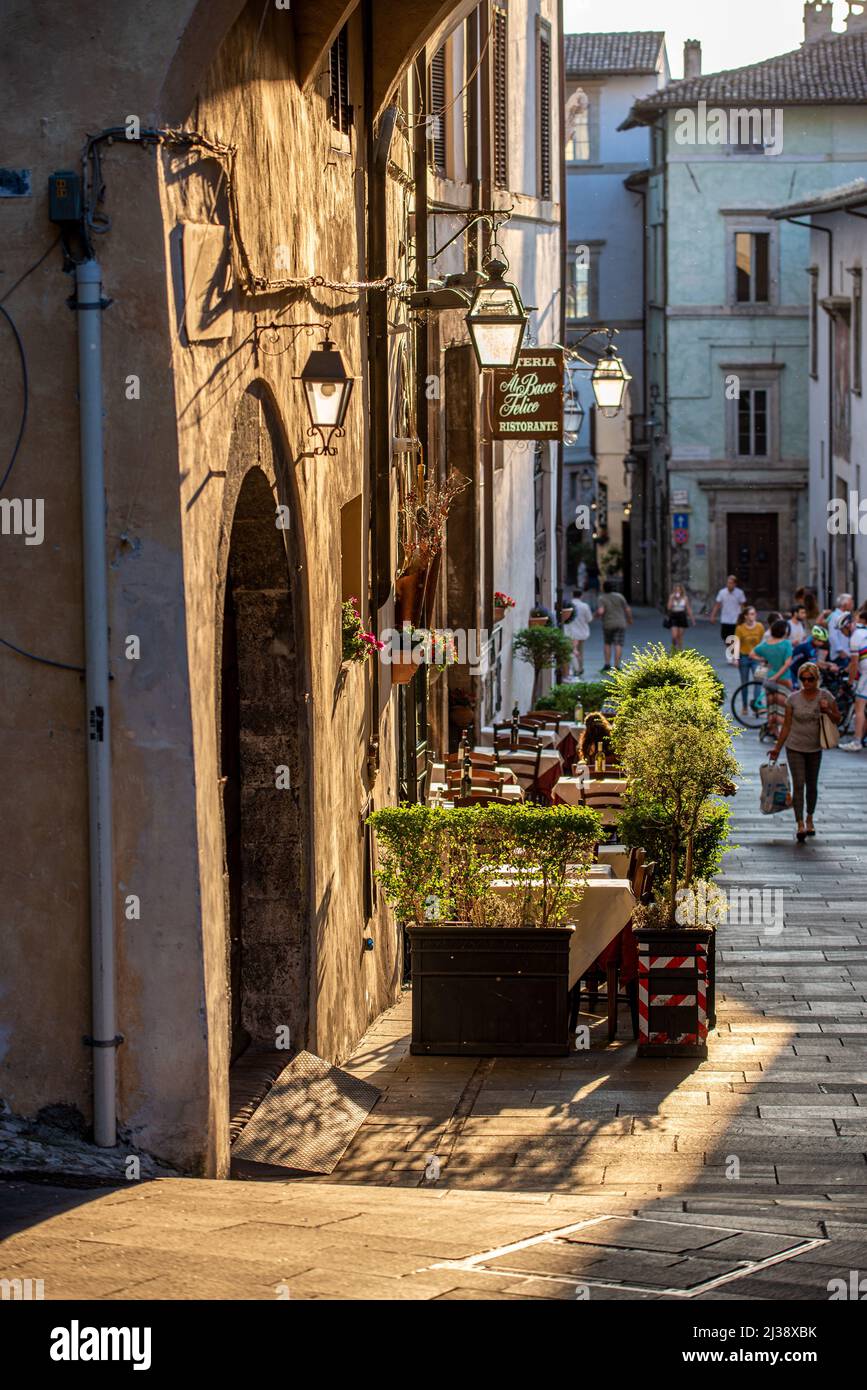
x=526, y=401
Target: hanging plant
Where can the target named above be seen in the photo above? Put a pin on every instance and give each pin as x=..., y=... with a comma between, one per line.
x=423, y=521
x=358, y=645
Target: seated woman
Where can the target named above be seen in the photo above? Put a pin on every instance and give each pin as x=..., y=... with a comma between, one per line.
x=596, y=736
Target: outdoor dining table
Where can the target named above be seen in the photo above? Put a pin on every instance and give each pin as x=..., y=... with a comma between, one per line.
x=577, y=791
x=565, y=739
x=440, y=792
x=617, y=857
x=550, y=767
x=599, y=915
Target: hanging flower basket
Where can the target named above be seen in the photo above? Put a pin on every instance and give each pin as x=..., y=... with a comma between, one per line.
x=502, y=604
x=358, y=645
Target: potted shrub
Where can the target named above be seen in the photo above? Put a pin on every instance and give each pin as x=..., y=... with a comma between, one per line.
x=502, y=603
x=675, y=748
x=490, y=956
x=422, y=530
x=462, y=709
x=563, y=698
x=544, y=648
x=358, y=645
x=539, y=617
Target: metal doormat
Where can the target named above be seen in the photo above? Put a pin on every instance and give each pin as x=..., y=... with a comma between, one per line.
x=638, y=1254
x=308, y=1119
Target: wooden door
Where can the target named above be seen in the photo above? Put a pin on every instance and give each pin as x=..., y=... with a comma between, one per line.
x=753, y=555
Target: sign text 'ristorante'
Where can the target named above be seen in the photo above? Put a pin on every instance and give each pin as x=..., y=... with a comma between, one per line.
x=526, y=401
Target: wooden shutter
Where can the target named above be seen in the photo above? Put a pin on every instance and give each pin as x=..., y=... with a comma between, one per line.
x=340, y=105
x=499, y=66
x=543, y=90
x=436, y=108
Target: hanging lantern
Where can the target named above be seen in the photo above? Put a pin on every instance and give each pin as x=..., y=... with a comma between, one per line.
x=610, y=379
x=573, y=411
x=497, y=320
x=327, y=389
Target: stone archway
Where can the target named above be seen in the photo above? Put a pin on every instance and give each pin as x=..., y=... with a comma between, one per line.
x=262, y=742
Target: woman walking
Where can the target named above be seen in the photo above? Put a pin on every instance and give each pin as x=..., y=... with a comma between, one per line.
x=678, y=616
x=801, y=736
x=777, y=651
x=578, y=628
x=749, y=633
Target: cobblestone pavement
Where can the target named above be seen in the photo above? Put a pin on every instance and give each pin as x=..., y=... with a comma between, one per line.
x=758, y=1154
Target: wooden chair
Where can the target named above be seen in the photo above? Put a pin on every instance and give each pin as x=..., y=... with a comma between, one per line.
x=544, y=719
x=636, y=859
x=613, y=959
x=526, y=770
x=476, y=760
x=528, y=735
x=480, y=777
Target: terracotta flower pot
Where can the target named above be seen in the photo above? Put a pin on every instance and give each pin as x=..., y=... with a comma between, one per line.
x=566, y=614
x=499, y=614
x=408, y=596
x=537, y=622
x=402, y=671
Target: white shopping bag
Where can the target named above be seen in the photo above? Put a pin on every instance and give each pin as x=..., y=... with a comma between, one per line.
x=776, y=793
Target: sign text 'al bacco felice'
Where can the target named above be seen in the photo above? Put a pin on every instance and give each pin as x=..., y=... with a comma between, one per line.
x=526, y=401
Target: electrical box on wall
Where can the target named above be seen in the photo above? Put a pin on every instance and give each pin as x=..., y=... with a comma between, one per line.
x=64, y=196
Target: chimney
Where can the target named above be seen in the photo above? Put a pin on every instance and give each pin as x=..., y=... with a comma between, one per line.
x=856, y=19
x=818, y=16
x=692, y=58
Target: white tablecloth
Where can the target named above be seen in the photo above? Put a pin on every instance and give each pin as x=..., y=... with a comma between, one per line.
x=615, y=855
x=603, y=910
x=569, y=789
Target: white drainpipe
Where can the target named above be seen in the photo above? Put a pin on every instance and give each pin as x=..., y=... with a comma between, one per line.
x=88, y=284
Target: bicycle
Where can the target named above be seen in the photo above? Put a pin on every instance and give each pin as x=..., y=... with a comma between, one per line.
x=749, y=706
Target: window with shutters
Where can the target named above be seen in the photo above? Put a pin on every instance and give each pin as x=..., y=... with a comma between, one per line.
x=436, y=119
x=499, y=66
x=340, y=107
x=543, y=97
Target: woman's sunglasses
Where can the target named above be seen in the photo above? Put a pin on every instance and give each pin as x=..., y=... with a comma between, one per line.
x=808, y=680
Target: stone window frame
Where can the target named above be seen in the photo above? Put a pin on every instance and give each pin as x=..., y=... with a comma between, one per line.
x=755, y=223
x=754, y=376
x=595, y=248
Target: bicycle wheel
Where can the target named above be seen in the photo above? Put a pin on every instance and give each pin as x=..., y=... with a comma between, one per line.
x=846, y=706
x=750, y=705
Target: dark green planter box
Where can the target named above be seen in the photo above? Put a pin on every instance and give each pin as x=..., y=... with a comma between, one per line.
x=489, y=991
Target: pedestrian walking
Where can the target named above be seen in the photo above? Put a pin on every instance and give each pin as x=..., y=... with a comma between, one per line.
x=578, y=629
x=801, y=737
x=615, y=614
x=678, y=616
x=858, y=677
x=728, y=605
x=749, y=633
x=776, y=651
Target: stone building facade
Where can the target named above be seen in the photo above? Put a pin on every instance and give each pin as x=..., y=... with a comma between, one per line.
x=727, y=297
x=245, y=754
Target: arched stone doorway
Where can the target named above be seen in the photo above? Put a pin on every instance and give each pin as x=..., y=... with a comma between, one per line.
x=262, y=745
